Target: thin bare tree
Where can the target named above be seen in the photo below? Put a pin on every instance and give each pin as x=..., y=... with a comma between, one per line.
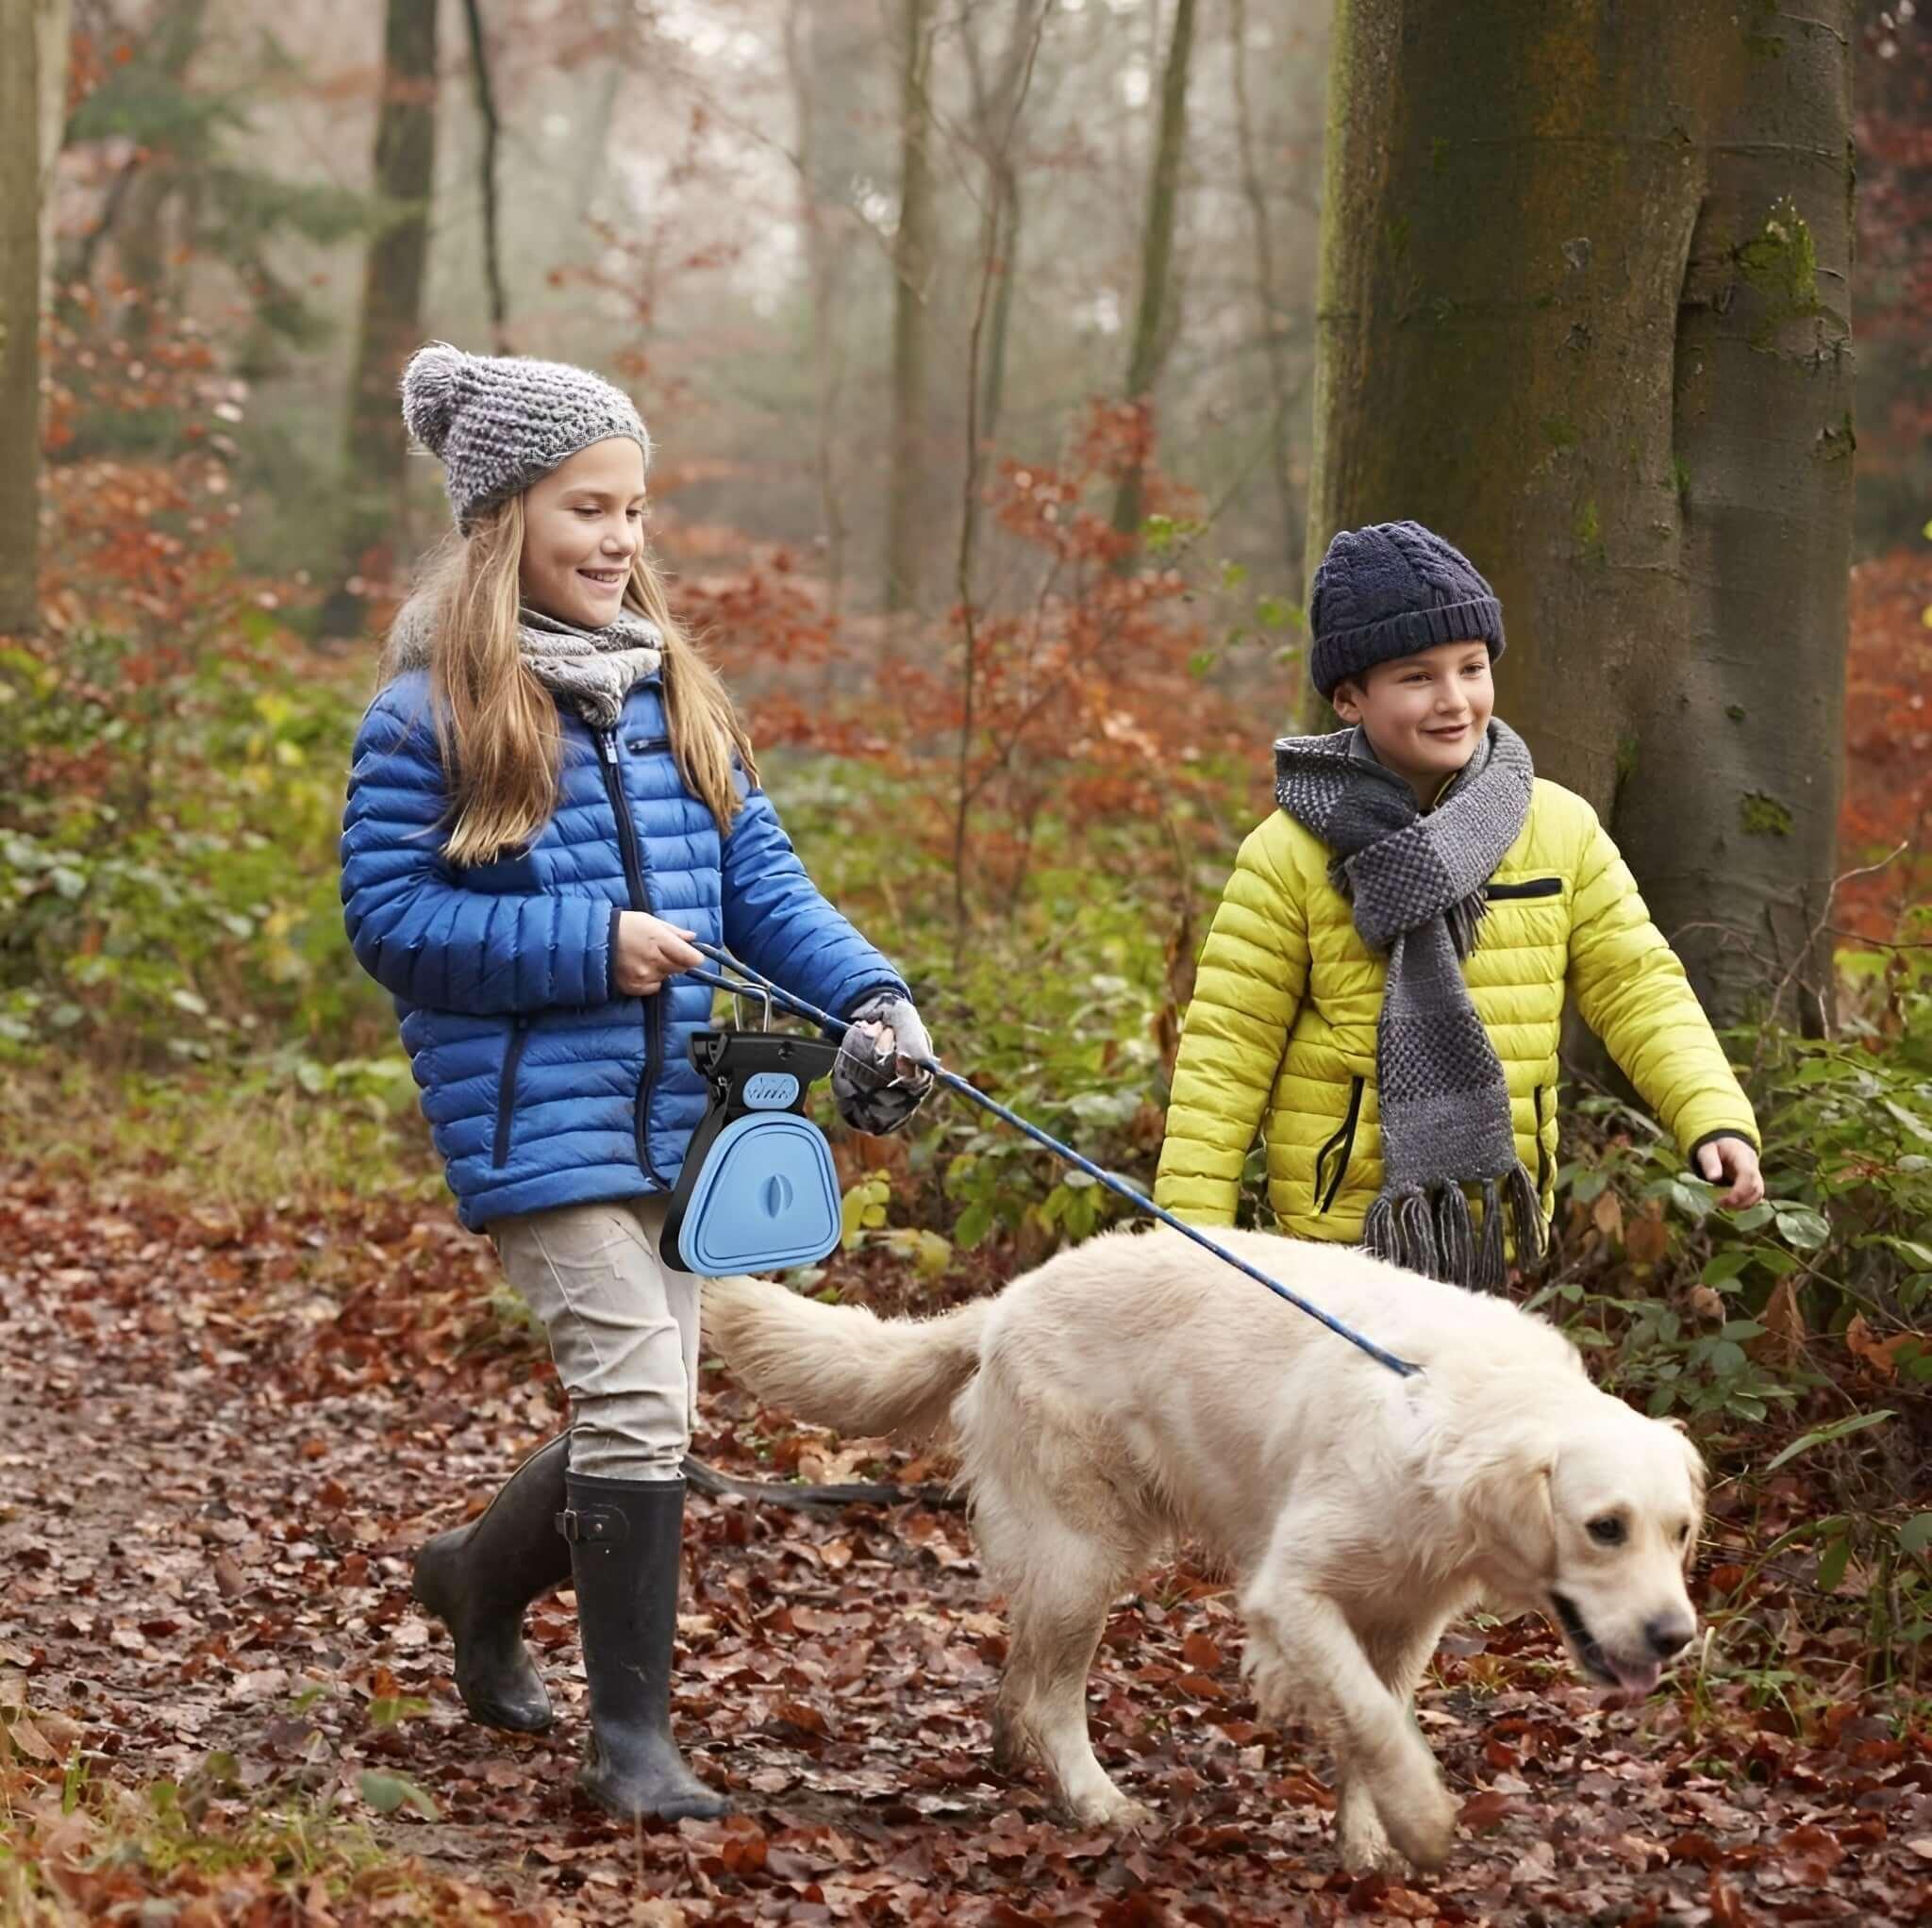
x=1016, y=76
x=491, y=129
x=1284, y=391
x=20, y=308
x=53, y=32
x=913, y=260
x=827, y=249
x=1154, y=315
x=995, y=109
x=391, y=312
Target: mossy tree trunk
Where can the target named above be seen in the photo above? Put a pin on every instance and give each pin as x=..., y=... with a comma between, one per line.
x=391, y=312
x=20, y=301
x=1583, y=308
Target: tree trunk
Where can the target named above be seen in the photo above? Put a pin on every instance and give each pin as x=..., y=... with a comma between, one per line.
x=1284, y=391
x=621, y=27
x=912, y=267
x=995, y=106
x=1011, y=211
x=826, y=254
x=490, y=131
x=392, y=318
x=1153, y=328
x=142, y=231
x=19, y=309
x=1597, y=335
x=53, y=30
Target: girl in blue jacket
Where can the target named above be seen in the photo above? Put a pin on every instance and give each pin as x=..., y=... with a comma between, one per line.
x=551, y=797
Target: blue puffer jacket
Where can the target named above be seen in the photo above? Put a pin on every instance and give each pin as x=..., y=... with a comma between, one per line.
x=541, y=1086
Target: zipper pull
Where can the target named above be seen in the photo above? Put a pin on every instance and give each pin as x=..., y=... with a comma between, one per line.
x=607, y=741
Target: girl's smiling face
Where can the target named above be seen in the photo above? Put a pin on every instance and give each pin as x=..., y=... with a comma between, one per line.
x=1423, y=714
x=583, y=526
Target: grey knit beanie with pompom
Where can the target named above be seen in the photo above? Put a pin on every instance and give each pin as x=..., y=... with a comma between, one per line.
x=498, y=423
x=1390, y=590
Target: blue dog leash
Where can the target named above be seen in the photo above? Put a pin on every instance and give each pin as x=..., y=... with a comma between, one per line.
x=1403, y=1369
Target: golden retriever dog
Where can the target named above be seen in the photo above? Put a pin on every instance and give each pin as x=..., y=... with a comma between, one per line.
x=1135, y=1390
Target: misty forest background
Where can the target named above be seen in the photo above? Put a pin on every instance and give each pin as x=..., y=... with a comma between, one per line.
x=1008, y=362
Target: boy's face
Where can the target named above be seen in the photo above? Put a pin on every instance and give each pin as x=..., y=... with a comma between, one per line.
x=1423, y=714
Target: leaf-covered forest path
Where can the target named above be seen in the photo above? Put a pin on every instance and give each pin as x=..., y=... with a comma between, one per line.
x=221, y=1436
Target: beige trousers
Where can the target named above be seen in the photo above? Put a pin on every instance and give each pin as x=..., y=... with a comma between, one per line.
x=622, y=1328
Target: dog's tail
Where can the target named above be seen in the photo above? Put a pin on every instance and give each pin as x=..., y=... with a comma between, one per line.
x=841, y=1366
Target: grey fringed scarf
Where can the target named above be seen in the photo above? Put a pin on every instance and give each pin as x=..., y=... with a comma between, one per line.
x=591, y=671
x=1417, y=884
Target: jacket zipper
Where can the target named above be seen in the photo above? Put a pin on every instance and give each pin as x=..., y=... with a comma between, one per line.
x=639, y=900
x=507, y=1085
x=1345, y=1139
x=1530, y=886
x=1542, y=1157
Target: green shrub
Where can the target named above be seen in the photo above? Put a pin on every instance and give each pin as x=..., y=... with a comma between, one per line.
x=1791, y=1335
x=168, y=862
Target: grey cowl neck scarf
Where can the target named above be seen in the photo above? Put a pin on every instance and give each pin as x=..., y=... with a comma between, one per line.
x=1416, y=881
x=590, y=670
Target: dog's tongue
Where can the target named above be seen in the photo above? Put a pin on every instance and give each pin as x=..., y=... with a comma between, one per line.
x=1636, y=1680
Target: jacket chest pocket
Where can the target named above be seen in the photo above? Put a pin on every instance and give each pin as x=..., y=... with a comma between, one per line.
x=1523, y=887
x=518, y=875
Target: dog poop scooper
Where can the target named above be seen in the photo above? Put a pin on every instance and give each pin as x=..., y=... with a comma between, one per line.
x=758, y=1192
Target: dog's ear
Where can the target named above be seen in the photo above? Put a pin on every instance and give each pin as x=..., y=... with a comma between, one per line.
x=1695, y=1466
x=1506, y=1504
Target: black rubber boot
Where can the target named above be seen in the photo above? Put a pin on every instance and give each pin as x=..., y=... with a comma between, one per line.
x=625, y=1537
x=480, y=1579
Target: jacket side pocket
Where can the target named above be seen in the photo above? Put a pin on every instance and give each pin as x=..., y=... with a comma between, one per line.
x=1343, y=1141
x=1543, y=1156
x=507, y=1086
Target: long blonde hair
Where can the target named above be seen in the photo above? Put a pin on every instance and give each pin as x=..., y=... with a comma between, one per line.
x=497, y=726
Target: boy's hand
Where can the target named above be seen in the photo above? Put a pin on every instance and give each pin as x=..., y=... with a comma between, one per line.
x=1735, y=1159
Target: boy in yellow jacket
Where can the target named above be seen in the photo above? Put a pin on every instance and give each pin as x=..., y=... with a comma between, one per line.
x=1383, y=986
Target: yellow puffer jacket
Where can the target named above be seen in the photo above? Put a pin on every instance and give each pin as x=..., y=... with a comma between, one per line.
x=1281, y=1032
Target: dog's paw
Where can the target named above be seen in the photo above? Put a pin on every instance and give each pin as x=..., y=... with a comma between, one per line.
x=1422, y=1823
x=1114, y=1812
x=1361, y=1843
x=1280, y=1694
x=1369, y=1851
x=1011, y=1749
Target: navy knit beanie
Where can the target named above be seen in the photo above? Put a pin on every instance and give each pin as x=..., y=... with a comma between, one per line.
x=1390, y=590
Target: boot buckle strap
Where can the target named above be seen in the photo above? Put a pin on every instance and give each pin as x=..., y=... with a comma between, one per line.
x=597, y=1524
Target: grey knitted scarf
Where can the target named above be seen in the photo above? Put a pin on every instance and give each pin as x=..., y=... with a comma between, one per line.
x=1417, y=884
x=591, y=671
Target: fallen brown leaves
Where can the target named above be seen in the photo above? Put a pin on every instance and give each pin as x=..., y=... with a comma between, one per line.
x=224, y=1436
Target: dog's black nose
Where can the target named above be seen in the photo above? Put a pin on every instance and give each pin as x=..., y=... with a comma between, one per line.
x=1668, y=1636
